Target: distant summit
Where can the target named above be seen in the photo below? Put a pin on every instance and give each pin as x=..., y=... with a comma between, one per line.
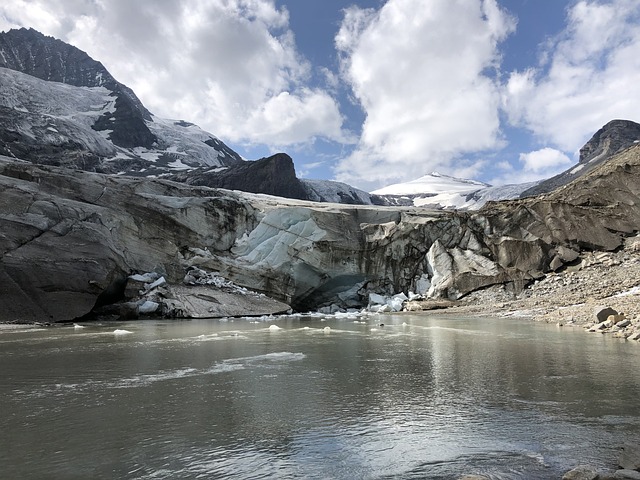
x=438, y=191
x=47, y=58
x=59, y=106
x=431, y=184
x=614, y=137
x=29, y=51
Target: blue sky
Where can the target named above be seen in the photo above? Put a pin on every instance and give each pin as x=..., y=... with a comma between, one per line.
x=371, y=92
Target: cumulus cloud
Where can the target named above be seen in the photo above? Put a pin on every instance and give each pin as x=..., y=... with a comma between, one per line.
x=590, y=75
x=530, y=167
x=229, y=65
x=544, y=160
x=422, y=73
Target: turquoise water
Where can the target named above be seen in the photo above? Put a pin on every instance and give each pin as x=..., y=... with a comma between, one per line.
x=420, y=397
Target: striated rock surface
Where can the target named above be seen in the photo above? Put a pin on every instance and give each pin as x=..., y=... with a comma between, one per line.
x=70, y=239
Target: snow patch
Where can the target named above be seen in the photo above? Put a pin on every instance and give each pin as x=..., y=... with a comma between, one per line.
x=576, y=170
x=433, y=183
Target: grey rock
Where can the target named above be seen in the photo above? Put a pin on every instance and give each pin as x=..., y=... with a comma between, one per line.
x=627, y=475
x=273, y=175
x=629, y=457
x=204, y=302
x=582, y=472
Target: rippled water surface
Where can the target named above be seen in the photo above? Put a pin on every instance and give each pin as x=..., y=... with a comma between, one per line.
x=420, y=397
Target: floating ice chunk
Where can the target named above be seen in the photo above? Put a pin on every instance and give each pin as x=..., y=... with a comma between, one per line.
x=145, y=277
x=274, y=328
x=326, y=329
x=159, y=282
x=119, y=331
x=395, y=303
x=376, y=299
x=148, y=307
x=415, y=296
x=382, y=304
x=77, y=327
x=381, y=308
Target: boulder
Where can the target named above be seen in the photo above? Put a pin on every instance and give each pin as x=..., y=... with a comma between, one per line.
x=626, y=474
x=629, y=457
x=582, y=472
x=207, y=302
x=602, y=313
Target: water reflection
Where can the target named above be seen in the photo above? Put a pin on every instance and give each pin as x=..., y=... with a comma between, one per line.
x=421, y=397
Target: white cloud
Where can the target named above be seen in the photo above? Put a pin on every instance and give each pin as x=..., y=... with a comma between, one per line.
x=543, y=160
x=591, y=76
x=419, y=71
x=229, y=65
x=537, y=165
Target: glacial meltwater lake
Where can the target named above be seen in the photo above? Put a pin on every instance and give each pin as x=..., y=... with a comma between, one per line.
x=420, y=397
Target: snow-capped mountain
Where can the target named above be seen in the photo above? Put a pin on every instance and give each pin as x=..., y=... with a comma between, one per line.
x=431, y=184
x=439, y=191
x=59, y=106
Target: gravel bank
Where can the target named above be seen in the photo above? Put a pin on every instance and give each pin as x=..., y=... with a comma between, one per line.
x=570, y=297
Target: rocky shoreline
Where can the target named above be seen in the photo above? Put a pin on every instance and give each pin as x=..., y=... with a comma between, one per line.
x=573, y=296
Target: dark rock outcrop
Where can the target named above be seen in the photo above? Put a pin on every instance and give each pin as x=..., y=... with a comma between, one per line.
x=611, y=139
x=100, y=125
x=614, y=137
x=273, y=175
x=28, y=51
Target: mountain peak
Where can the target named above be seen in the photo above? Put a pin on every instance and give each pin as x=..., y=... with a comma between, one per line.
x=31, y=52
x=431, y=184
x=612, y=138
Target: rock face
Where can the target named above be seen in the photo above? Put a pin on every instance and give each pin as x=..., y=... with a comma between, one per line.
x=46, y=58
x=70, y=239
x=611, y=139
x=58, y=106
x=274, y=175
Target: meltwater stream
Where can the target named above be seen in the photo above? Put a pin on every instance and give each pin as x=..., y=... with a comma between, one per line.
x=421, y=397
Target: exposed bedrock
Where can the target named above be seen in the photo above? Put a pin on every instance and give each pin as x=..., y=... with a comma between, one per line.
x=69, y=239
